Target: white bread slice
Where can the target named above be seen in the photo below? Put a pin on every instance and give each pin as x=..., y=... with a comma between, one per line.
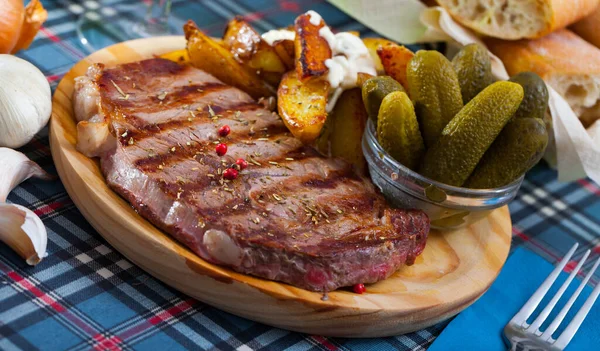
x=581, y=92
x=566, y=62
x=518, y=19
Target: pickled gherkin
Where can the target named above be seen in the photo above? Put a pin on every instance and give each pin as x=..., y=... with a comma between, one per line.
x=464, y=141
x=535, y=99
x=473, y=69
x=520, y=145
x=374, y=90
x=435, y=92
x=398, y=130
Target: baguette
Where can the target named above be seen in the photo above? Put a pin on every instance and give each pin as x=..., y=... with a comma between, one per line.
x=566, y=62
x=518, y=19
x=588, y=29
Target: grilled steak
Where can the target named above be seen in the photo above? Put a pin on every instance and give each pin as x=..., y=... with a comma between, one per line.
x=292, y=215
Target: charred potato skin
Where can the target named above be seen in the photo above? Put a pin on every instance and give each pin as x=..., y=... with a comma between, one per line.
x=394, y=59
x=311, y=49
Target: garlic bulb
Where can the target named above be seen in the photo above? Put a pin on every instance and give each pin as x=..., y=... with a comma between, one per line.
x=23, y=231
x=25, y=102
x=20, y=228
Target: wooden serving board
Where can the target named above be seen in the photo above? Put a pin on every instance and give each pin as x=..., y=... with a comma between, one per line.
x=455, y=269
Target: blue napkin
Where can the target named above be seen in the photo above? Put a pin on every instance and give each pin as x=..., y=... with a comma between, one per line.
x=480, y=326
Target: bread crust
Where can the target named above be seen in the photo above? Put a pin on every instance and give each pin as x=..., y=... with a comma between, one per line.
x=567, y=12
x=544, y=16
x=588, y=28
x=566, y=62
x=561, y=52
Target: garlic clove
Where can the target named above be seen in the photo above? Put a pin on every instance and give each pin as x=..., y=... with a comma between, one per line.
x=16, y=168
x=20, y=228
x=23, y=231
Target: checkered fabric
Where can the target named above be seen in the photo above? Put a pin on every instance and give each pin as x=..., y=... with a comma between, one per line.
x=85, y=295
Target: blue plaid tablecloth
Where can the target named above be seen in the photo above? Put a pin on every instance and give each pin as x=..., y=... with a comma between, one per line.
x=85, y=295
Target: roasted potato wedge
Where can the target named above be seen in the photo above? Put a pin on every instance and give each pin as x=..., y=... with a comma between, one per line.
x=311, y=49
x=249, y=48
x=285, y=50
x=208, y=55
x=302, y=105
x=273, y=78
x=395, y=58
x=342, y=133
x=373, y=44
x=179, y=56
x=362, y=77
x=241, y=39
x=267, y=60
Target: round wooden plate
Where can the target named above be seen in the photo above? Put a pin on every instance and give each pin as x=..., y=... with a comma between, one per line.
x=455, y=269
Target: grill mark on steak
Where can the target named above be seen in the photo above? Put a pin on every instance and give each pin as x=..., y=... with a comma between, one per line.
x=329, y=182
x=296, y=217
x=297, y=154
x=294, y=184
x=150, y=164
x=137, y=97
x=284, y=185
x=201, y=113
x=287, y=185
x=178, y=152
x=181, y=95
x=151, y=130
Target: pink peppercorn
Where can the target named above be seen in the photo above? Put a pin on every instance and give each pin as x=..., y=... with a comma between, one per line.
x=221, y=149
x=241, y=163
x=230, y=174
x=224, y=131
x=359, y=288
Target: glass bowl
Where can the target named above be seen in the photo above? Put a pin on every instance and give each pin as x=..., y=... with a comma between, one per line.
x=448, y=207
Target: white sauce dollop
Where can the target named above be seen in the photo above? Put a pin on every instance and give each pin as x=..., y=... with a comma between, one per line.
x=349, y=57
x=278, y=34
x=315, y=18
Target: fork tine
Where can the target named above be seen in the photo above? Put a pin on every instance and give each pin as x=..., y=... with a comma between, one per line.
x=546, y=311
x=562, y=314
x=521, y=317
x=566, y=336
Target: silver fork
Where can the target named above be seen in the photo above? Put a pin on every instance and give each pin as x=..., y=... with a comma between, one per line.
x=529, y=336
